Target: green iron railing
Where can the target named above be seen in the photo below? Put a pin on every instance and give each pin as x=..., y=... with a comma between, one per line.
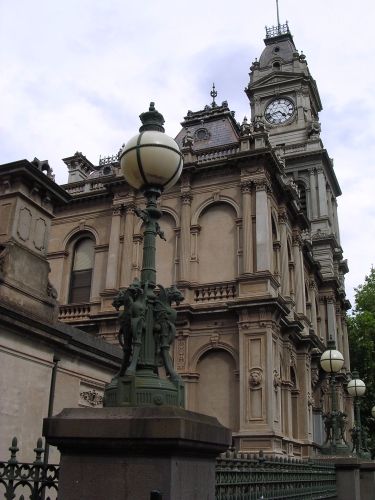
x=241, y=476
x=34, y=481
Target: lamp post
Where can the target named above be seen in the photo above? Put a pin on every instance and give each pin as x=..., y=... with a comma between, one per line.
x=331, y=362
x=151, y=163
x=356, y=388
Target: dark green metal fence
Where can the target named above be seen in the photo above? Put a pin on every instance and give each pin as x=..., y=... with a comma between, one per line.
x=241, y=476
x=34, y=481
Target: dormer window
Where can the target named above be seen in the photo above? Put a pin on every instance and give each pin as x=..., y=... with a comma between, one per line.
x=276, y=65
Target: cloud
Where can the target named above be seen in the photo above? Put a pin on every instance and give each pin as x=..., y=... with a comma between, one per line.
x=76, y=75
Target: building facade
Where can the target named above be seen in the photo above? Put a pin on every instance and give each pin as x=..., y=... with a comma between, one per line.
x=252, y=241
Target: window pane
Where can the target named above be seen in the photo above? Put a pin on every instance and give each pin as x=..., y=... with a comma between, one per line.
x=80, y=286
x=84, y=255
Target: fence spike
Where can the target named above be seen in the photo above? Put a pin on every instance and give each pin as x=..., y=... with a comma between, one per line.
x=38, y=452
x=13, y=451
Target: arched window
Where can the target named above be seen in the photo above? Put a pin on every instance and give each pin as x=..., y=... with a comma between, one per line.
x=81, y=275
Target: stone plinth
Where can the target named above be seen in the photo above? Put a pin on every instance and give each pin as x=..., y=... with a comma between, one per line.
x=355, y=478
x=125, y=453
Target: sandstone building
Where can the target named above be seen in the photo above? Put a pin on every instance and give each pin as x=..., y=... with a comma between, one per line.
x=253, y=243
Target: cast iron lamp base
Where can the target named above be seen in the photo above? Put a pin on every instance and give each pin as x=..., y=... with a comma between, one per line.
x=144, y=389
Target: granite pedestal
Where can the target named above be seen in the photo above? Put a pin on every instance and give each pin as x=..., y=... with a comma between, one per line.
x=124, y=453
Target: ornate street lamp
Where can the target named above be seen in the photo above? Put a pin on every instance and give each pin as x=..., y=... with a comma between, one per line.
x=331, y=362
x=356, y=388
x=151, y=163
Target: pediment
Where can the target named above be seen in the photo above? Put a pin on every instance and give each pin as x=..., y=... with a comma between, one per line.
x=277, y=79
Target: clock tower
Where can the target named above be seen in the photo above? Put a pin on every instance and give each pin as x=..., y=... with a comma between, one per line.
x=285, y=100
x=282, y=92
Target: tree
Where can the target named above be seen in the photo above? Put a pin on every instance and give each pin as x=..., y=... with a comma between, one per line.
x=361, y=331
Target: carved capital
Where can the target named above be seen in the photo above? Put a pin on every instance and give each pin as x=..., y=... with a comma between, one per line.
x=262, y=184
x=195, y=229
x=297, y=238
x=186, y=197
x=129, y=208
x=246, y=187
x=282, y=216
x=117, y=210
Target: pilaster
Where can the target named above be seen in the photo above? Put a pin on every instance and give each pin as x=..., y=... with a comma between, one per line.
x=247, y=227
x=127, y=253
x=186, y=198
x=263, y=230
x=114, y=249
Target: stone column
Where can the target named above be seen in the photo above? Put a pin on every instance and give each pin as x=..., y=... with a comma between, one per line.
x=186, y=198
x=323, y=206
x=331, y=318
x=299, y=274
x=111, y=281
x=313, y=197
x=247, y=227
x=127, y=246
x=284, y=260
x=124, y=453
x=263, y=231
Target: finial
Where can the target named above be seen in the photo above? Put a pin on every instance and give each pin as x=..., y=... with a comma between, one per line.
x=152, y=119
x=213, y=94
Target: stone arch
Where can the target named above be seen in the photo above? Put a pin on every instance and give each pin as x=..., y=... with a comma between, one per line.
x=218, y=387
x=76, y=233
x=208, y=347
x=211, y=201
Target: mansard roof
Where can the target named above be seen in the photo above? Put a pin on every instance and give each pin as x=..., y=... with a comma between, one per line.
x=209, y=128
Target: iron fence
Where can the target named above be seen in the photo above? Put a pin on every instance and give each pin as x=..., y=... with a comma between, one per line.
x=34, y=481
x=240, y=476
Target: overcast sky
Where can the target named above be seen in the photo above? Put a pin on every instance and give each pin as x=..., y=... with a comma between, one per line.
x=75, y=75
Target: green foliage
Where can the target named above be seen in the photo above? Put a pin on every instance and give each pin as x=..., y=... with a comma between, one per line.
x=361, y=331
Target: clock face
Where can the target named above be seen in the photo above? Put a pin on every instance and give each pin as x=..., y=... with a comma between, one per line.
x=279, y=111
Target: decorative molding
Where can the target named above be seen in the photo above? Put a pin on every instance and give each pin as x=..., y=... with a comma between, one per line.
x=92, y=397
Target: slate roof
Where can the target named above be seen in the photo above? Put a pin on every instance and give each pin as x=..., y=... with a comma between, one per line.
x=212, y=127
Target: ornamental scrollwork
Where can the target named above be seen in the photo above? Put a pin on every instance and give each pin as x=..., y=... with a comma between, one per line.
x=92, y=397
